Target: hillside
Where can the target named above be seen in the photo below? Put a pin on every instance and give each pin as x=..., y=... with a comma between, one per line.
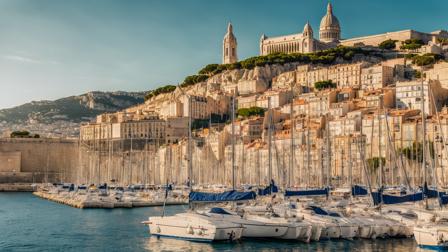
x=52, y=115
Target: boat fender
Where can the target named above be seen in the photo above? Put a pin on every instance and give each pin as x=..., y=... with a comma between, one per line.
x=158, y=229
x=200, y=232
x=190, y=230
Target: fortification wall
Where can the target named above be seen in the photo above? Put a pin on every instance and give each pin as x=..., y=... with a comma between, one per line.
x=375, y=40
x=38, y=160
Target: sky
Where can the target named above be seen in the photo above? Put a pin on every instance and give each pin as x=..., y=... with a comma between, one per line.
x=51, y=49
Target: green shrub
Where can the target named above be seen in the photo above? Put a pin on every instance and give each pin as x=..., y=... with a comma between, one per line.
x=423, y=60
x=209, y=69
x=410, y=55
x=442, y=41
x=248, y=112
x=411, y=44
x=23, y=134
x=19, y=134
x=417, y=74
x=320, y=85
x=160, y=90
x=374, y=162
x=387, y=44
x=193, y=79
x=415, y=152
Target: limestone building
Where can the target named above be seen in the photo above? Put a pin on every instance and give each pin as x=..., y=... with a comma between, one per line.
x=229, y=46
x=330, y=36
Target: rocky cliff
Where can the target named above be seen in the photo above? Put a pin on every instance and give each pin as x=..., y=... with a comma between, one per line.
x=66, y=113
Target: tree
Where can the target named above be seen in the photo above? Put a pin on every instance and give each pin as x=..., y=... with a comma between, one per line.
x=20, y=134
x=415, y=152
x=442, y=41
x=417, y=74
x=160, y=90
x=210, y=69
x=374, y=162
x=320, y=85
x=423, y=60
x=411, y=44
x=387, y=44
x=193, y=79
x=252, y=111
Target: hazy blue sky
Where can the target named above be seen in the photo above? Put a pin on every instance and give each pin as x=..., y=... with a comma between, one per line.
x=55, y=48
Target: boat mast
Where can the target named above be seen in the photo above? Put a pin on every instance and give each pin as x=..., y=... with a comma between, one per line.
x=190, y=163
x=270, y=140
x=350, y=167
x=424, y=133
x=291, y=156
x=441, y=135
x=308, y=170
x=380, y=154
x=328, y=151
x=233, y=141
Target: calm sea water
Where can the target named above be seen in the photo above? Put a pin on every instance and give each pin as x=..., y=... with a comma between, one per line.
x=28, y=223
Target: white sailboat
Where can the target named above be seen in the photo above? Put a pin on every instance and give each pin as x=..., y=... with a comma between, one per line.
x=192, y=225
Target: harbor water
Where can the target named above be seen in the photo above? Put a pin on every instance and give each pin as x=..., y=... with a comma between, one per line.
x=28, y=223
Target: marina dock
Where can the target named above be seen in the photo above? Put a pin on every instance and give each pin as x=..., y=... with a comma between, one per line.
x=81, y=201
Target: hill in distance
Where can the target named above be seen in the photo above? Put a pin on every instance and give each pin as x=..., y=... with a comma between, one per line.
x=70, y=110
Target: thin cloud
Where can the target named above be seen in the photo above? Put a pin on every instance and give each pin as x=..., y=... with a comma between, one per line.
x=29, y=60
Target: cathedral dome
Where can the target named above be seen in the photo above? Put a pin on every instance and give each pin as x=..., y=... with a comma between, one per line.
x=329, y=30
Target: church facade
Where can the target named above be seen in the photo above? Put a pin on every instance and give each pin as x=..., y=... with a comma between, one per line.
x=330, y=36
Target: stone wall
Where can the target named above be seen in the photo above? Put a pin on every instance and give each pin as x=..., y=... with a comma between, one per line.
x=10, y=161
x=38, y=160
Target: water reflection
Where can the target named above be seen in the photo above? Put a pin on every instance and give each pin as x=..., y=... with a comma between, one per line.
x=168, y=244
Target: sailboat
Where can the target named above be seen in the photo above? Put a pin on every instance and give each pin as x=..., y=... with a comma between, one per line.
x=192, y=225
x=256, y=226
x=433, y=233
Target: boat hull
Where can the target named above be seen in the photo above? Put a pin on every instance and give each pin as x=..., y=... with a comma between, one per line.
x=194, y=228
x=431, y=237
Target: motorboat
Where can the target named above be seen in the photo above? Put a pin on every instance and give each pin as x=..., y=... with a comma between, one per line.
x=254, y=227
x=431, y=235
x=194, y=227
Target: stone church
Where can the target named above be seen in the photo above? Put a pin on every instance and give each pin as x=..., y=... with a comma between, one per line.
x=329, y=37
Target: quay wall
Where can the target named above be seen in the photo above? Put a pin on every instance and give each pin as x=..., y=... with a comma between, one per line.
x=54, y=160
x=37, y=160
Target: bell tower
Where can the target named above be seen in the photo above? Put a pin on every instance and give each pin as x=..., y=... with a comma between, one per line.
x=229, y=47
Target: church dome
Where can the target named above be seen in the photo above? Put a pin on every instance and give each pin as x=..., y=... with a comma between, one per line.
x=329, y=31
